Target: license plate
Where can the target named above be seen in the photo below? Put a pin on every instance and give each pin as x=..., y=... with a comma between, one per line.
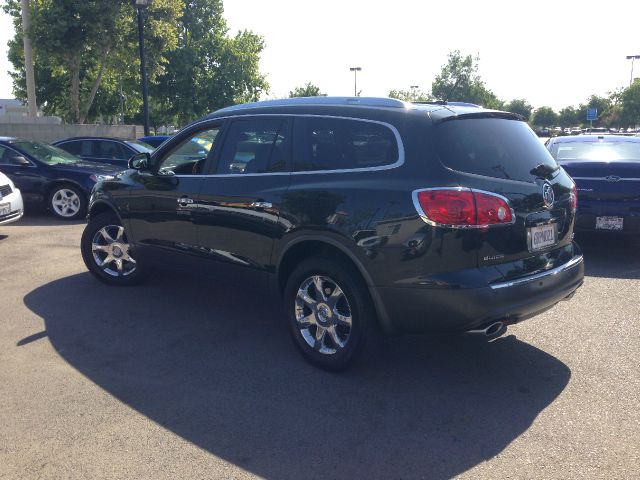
x=5, y=209
x=609, y=223
x=542, y=236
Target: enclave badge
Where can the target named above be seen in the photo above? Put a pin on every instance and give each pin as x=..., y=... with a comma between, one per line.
x=547, y=195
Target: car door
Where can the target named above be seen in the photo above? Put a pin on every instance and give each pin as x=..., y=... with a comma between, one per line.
x=162, y=203
x=239, y=206
x=28, y=178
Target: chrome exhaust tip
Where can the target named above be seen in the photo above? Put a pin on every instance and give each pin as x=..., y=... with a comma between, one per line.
x=493, y=330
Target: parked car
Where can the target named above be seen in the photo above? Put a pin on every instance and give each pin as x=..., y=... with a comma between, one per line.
x=50, y=176
x=471, y=219
x=606, y=169
x=154, y=140
x=103, y=150
x=11, y=208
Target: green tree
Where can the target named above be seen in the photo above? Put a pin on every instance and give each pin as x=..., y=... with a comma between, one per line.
x=79, y=44
x=459, y=81
x=308, y=90
x=568, y=117
x=630, y=105
x=602, y=104
x=411, y=95
x=208, y=70
x=544, y=117
x=519, y=106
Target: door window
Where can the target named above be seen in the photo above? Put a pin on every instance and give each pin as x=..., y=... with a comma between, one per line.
x=327, y=143
x=189, y=156
x=111, y=150
x=255, y=146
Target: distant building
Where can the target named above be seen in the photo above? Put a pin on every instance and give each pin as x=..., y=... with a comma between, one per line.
x=9, y=106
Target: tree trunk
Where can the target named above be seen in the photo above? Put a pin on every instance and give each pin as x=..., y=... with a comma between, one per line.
x=28, y=60
x=96, y=85
x=74, y=70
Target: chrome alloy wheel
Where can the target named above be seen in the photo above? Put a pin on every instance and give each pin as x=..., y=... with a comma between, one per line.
x=110, y=250
x=66, y=203
x=323, y=314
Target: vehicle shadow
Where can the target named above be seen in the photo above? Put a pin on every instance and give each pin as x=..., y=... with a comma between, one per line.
x=213, y=364
x=35, y=216
x=610, y=256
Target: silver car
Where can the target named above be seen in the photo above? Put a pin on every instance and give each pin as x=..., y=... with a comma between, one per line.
x=11, y=207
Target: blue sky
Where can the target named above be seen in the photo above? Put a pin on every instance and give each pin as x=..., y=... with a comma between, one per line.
x=553, y=53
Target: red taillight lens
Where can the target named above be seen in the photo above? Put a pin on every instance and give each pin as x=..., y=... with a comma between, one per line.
x=492, y=210
x=574, y=197
x=464, y=207
x=448, y=207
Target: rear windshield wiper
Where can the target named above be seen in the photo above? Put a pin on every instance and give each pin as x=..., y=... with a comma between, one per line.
x=544, y=170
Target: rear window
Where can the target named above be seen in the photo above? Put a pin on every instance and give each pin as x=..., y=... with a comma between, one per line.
x=493, y=147
x=602, y=151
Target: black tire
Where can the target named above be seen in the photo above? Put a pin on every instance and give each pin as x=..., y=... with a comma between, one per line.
x=358, y=303
x=131, y=274
x=79, y=207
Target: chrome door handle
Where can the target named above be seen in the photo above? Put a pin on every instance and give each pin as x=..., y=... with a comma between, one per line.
x=262, y=205
x=185, y=201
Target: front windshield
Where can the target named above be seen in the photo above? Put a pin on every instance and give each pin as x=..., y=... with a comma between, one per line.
x=46, y=153
x=598, y=151
x=139, y=146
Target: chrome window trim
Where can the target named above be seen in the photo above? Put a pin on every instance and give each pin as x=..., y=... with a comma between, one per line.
x=427, y=220
x=604, y=179
x=394, y=130
x=532, y=278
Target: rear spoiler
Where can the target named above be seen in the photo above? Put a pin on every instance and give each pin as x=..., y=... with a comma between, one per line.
x=477, y=114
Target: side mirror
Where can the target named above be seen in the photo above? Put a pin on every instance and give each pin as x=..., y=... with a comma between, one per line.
x=19, y=161
x=140, y=161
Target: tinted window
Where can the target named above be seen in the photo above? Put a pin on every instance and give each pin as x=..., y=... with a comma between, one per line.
x=189, y=156
x=334, y=144
x=603, y=151
x=492, y=147
x=74, y=147
x=46, y=153
x=255, y=146
x=111, y=150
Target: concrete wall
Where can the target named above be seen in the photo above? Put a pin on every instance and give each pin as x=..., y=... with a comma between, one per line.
x=50, y=133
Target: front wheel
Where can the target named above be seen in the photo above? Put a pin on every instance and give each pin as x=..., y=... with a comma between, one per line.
x=329, y=312
x=107, y=253
x=67, y=202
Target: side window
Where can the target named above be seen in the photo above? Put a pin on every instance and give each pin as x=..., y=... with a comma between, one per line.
x=73, y=148
x=188, y=157
x=328, y=143
x=255, y=146
x=5, y=155
x=108, y=149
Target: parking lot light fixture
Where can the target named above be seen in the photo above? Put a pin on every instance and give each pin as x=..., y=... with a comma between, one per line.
x=141, y=5
x=355, y=71
x=632, y=58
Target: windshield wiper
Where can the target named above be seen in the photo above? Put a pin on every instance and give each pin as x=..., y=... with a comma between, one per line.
x=543, y=170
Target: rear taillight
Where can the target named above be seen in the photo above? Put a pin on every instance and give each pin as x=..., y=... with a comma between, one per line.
x=462, y=207
x=574, y=197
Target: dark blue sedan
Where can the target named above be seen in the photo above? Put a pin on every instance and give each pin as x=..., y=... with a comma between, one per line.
x=606, y=169
x=50, y=176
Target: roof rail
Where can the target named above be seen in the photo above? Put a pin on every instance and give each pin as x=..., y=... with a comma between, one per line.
x=335, y=101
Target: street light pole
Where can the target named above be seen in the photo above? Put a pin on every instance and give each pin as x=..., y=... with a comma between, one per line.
x=632, y=58
x=141, y=5
x=355, y=71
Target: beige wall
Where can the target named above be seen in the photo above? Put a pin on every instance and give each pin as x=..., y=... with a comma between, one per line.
x=50, y=133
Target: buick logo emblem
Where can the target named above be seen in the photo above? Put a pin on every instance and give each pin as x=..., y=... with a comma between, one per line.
x=612, y=178
x=547, y=195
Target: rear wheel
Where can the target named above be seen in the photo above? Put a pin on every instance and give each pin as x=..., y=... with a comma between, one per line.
x=329, y=312
x=67, y=202
x=107, y=253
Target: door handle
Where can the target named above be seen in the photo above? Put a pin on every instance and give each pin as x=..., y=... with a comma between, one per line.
x=185, y=201
x=262, y=205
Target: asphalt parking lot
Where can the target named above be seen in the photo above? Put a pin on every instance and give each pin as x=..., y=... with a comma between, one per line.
x=190, y=378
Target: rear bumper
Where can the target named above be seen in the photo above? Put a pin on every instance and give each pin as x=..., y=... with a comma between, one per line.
x=461, y=309
x=590, y=210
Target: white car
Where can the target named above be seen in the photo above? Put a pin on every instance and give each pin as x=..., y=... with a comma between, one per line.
x=11, y=207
